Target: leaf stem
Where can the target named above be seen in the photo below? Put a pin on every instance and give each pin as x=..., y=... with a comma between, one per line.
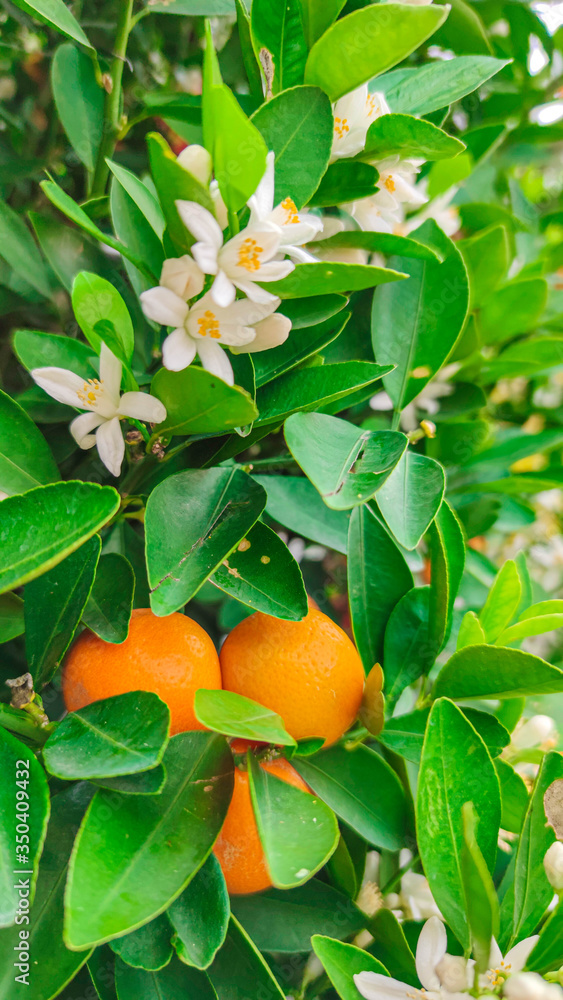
x=234, y=226
x=18, y=721
x=112, y=109
x=396, y=878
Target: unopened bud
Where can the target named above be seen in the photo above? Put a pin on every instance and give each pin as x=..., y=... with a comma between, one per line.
x=197, y=160
x=429, y=428
x=452, y=973
x=553, y=864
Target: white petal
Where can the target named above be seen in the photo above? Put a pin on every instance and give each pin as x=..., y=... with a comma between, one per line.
x=223, y=291
x=297, y=233
x=262, y=201
x=197, y=161
x=255, y=293
x=215, y=360
x=353, y=105
x=141, y=406
x=374, y=986
x=110, y=377
x=229, y=325
x=219, y=205
x=110, y=445
x=275, y=270
x=270, y=332
x=517, y=957
x=431, y=948
x=250, y=313
x=178, y=351
x=300, y=255
x=495, y=955
x=81, y=429
x=163, y=306
x=61, y=384
x=206, y=256
x=200, y=223
x=182, y=276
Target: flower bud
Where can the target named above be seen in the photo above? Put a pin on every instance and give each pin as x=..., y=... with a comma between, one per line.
x=553, y=864
x=197, y=160
x=530, y=986
x=534, y=732
x=452, y=973
x=182, y=276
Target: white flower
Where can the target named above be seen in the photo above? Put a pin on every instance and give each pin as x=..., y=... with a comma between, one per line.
x=197, y=161
x=539, y=731
x=101, y=398
x=374, y=217
x=440, y=209
x=397, y=183
x=204, y=327
x=443, y=976
x=553, y=864
x=182, y=276
x=353, y=115
x=239, y=263
x=514, y=961
x=415, y=900
x=530, y=986
x=295, y=228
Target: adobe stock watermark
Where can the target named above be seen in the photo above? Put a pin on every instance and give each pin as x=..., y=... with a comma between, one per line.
x=22, y=887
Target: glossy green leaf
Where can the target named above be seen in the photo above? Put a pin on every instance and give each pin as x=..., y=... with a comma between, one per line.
x=25, y=802
x=480, y=894
x=298, y=125
x=108, y=609
x=421, y=90
x=408, y=651
x=295, y=503
x=404, y=734
x=58, y=965
x=496, y=672
x=410, y=497
x=12, y=622
x=55, y=602
x=239, y=971
x=18, y=248
x=174, y=982
x=298, y=831
x=447, y=560
x=406, y=136
x=278, y=28
x=79, y=100
x=141, y=195
x=149, y=947
x=103, y=315
x=67, y=250
x=391, y=948
x=174, y=183
x=378, y=577
x=341, y=778
x=207, y=512
x=43, y=526
x=133, y=229
x=281, y=920
x=318, y=16
x=298, y=347
x=200, y=916
x=205, y=8
x=350, y=52
x=234, y=715
x=309, y=388
x=547, y=952
x=342, y=962
x=128, y=866
x=346, y=180
x=514, y=796
x=144, y=783
x=386, y=243
x=528, y=627
x=487, y=258
x=416, y=323
x=56, y=14
x=119, y=735
x=36, y=349
x=324, y=277
x=263, y=574
x=347, y=465
x=514, y=308
x=25, y=458
x=101, y=966
x=198, y=402
x=456, y=768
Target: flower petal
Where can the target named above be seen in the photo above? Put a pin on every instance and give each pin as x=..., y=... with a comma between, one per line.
x=163, y=306
x=261, y=202
x=517, y=957
x=223, y=291
x=110, y=445
x=182, y=276
x=197, y=161
x=374, y=986
x=200, y=223
x=61, y=384
x=81, y=429
x=178, y=351
x=206, y=257
x=255, y=293
x=275, y=270
x=495, y=955
x=219, y=205
x=141, y=406
x=430, y=950
x=110, y=377
x=215, y=360
x=270, y=332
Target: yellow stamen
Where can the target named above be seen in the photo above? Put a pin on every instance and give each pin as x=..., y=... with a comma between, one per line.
x=292, y=215
x=389, y=183
x=341, y=127
x=208, y=325
x=248, y=255
x=371, y=105
x=91, y=391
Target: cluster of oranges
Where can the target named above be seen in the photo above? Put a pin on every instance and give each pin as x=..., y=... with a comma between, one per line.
x=309, y=672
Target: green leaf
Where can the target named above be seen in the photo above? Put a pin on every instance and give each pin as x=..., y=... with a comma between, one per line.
x=350, y=52
x=346, y=180
x=79, y=100
x=174, y=183
x=108, y=609
x=134, y=855
x=200, y=916
x=410, y=497
x=36, y=349
x=547, y=952
x=198, y=402
x=148, y=948
x=408, y=652
x=101, y=967
x=496, y=672
x=58, y=965
x=406, y=136
x=239, y=971
x=234, y=715
x=102, y=315
x=18, y=249
x=373, y=595
x=141, y=195
x=144, y=783
x=295, y=503
x=386, y=243
x=531, y=626
x=207, y=512
x=309, y=388
x=174, y=982
x=284, y=920
x=342, y=962
x=278, y=28
x=312, y=311
x=341, y=778
x=298, y=347
x=204, y=8
x=43, y=526
x=12, y=621
x=25, y=803
x=514, y=308
x=481, y=901
x=298, y=125
x=325, y=277
x=421, y=90
x=456, y=768
x=405, y=733
x=25, y=458
x=390, y=947
x=525, y=357
x=347, y=465
x=298, y=831
x=120, y=735
x=132, y=228
x=514, y=797
x=67, y=251
x=55, y=602
x=487, y=258
x=56, y=14
x=415, y=324
x=447, y=560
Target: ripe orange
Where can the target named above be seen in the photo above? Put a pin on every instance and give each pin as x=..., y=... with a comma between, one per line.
x=171, y=656
x=309, y=672
x=238, y=848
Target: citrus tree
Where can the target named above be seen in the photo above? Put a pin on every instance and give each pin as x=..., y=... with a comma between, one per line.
x=281, y=434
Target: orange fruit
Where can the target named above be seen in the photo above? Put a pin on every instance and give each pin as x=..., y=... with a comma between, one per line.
x=171, y=656
x=309, y=672
x=238, y=848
